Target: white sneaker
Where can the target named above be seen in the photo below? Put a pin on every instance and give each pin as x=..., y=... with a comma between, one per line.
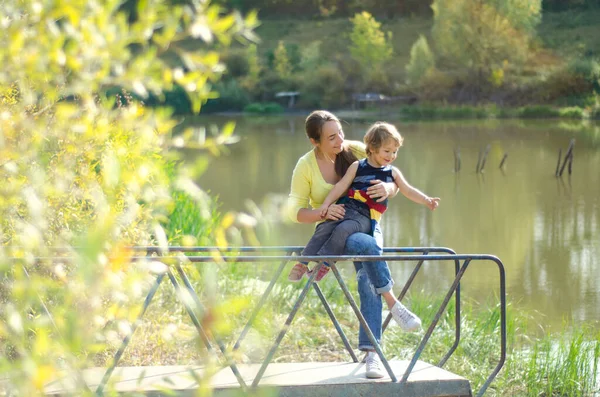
x=407, y=320
x=374, y=366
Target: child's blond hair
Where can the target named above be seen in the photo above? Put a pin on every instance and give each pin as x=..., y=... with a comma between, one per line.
x=379, y=133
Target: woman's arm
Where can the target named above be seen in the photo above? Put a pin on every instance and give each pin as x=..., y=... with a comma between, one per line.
x=413, y=193
x=382, y=190
x=299, y=195
x=298, y=200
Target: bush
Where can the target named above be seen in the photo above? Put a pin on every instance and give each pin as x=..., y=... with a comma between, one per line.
x=538, y=111
x=323, y=87
x=573, y=112
x=232, y=97
x=421, y=60
x=588, y=70
x=175, y=98
x=264, y=108
x=236, y=63
x=447, y=112
x=572, y=85
x=435, y=85
x=270, y=84
x=91, y=177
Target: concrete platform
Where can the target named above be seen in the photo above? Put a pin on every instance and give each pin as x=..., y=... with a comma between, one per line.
x=290, y=379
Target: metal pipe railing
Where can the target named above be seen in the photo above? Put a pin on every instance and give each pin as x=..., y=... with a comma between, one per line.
x=256, y=254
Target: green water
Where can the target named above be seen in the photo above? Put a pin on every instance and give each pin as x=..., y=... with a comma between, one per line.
x=545, y=230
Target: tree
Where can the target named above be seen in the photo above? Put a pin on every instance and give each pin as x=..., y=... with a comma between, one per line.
x=479, y=36
x=370, y=47
x=421, y=61
x=87, y=172
x=281, y=62
x=252, y=78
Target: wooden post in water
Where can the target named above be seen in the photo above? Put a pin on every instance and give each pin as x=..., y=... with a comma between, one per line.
x=503, y=160
x=570, y=163
x=558, y=163
x=478, y=162
x=456, y=159
x=567, y=156
x=487, y=150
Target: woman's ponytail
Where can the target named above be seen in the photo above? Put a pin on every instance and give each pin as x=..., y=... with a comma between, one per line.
x=343, y=161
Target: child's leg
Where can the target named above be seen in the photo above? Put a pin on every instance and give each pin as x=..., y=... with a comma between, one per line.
x=353, y=222
x=322, y=233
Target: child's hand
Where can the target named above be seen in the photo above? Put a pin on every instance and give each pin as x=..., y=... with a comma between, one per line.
x=432, y=202
x=323, y=211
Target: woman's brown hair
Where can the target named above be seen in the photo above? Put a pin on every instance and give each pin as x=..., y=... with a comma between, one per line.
x=314, y=126
x=343, y=161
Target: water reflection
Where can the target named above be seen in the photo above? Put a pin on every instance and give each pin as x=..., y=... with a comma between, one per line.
x=544, y=229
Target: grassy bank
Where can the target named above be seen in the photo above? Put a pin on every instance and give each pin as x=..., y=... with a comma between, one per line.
x=487, y=112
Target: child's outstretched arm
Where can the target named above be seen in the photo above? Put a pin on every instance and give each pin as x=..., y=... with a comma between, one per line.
x=339, y=189
x=413, y=193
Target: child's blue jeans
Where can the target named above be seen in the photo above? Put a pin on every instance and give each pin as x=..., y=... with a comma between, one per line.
x=373, y=278
x=330, y=237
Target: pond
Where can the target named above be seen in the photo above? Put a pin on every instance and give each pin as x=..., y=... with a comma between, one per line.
x=545, y=229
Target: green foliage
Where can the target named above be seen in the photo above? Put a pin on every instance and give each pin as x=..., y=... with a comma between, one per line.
x=564, y=365
x=538, y=111
x=251, y=80
x=573, y=112
x=231, y=97
x=560, y=5
x=236, y=63
x=88, y=173
x=310, y=57
x=443, y=112
x=370, y=47
x=175, y=99
x=264, y=108
x=588, y=70
x=323, y=87
x=281, y=62
x=435, y=85
x=421, y=61
x=331, y=8
x=478, y=36
x=447, y=112
x=191, y=222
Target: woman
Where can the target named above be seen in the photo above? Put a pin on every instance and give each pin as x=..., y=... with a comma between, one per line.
x=312, y=179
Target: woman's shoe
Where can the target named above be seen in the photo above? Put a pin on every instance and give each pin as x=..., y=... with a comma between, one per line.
x=297, y=272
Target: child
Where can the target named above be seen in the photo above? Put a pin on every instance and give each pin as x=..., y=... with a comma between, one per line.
x=362, y=213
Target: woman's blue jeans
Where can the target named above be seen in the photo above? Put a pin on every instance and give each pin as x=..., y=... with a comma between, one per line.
x=373, y=278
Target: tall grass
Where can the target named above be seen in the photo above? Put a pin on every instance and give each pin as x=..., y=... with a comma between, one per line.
x=444, y=112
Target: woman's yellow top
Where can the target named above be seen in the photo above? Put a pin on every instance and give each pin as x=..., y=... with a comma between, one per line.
x=308, y=185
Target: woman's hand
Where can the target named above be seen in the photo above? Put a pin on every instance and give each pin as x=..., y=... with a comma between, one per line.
x=335, y=212
x=380, y=191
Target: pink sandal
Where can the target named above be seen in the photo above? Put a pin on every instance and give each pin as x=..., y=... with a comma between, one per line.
x=322, y=273
x=297, y=272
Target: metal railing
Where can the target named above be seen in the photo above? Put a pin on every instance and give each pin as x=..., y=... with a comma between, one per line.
x=248, y=254
x=287, y=254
